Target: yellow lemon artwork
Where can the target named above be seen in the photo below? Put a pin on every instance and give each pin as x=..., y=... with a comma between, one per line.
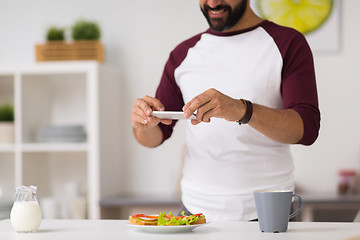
x=303, y=15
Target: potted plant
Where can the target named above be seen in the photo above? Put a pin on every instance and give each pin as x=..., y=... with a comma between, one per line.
x=85, y=30
x=6, y=123
x=55, y=34
x=86, y=44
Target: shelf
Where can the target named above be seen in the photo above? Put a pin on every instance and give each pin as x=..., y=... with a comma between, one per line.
x=56, y=67
x=7, y=148
x=52, y=171
x=329, y=207
x=46, y=147
x=54, y=147
x=71, y=93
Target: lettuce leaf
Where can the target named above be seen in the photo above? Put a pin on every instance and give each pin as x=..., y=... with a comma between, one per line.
x=175, y=221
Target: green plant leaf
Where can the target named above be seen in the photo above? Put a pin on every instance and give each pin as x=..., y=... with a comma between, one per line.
x=85, y=30
x=55, y=34
x=6, y=113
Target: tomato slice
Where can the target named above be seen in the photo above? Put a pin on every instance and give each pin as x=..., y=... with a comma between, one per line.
x=138, y=215
x=145, y=216
x=198, y=214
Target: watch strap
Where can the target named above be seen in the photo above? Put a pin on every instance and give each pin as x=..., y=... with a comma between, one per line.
x=248, y=112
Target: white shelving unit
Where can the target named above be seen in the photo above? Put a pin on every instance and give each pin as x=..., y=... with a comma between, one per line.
x=82, y=93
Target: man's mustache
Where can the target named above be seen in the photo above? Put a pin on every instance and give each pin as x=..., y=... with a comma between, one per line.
x=217, y=8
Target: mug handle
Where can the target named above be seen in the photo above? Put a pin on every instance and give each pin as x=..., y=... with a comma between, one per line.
x=299, y=199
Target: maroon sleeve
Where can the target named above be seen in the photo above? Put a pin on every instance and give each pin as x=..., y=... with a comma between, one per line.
x=168, y=92
x=298, y=85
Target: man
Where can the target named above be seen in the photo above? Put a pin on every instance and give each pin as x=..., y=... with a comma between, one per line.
x=243, y=70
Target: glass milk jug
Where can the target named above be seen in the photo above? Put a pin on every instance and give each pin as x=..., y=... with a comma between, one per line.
x=26, y=213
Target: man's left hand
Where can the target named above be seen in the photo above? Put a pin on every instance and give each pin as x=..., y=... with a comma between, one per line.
x=213, y=103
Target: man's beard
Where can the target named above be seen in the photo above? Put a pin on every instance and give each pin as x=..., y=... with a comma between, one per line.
x=222, y=24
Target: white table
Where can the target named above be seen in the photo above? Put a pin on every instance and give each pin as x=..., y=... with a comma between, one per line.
x=118, y=229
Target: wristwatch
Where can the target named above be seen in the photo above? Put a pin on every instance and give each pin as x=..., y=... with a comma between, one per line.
x=248, y=112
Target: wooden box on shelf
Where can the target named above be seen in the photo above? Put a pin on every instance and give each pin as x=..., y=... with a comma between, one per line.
x=76, y=50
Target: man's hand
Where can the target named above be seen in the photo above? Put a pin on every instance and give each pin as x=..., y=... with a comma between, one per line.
x=145, y=126
x=213, y=103
x=281, y=125
x=141, y=117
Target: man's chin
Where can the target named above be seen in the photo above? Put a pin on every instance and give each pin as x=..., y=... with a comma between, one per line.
x=217, y=25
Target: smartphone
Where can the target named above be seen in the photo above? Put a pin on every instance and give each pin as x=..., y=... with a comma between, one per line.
x=171, y=115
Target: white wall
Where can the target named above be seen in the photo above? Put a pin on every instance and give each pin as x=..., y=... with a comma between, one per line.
x=338, y=80
x=138, y=36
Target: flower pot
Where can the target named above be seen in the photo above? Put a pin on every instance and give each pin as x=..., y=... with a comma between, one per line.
x=65, y=51
x=6, y=132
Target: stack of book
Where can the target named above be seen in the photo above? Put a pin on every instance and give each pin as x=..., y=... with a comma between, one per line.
x=62, y=133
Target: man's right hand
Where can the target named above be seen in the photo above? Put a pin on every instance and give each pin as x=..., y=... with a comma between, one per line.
x=141, y=118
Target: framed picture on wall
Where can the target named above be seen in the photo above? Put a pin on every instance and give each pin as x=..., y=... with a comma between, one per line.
x=318, y=20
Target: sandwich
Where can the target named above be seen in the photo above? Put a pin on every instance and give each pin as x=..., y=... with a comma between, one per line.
x=164, y=219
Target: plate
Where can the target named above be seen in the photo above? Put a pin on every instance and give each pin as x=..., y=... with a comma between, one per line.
x=165, y=229
x=171, y=115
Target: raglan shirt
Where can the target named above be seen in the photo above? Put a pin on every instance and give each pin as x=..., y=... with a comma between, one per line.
x=225, y=162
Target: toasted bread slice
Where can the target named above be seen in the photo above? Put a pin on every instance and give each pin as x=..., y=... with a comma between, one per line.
x=138, y=221
x=201, y=220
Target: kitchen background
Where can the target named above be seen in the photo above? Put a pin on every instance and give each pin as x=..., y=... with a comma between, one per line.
x=138, y=36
